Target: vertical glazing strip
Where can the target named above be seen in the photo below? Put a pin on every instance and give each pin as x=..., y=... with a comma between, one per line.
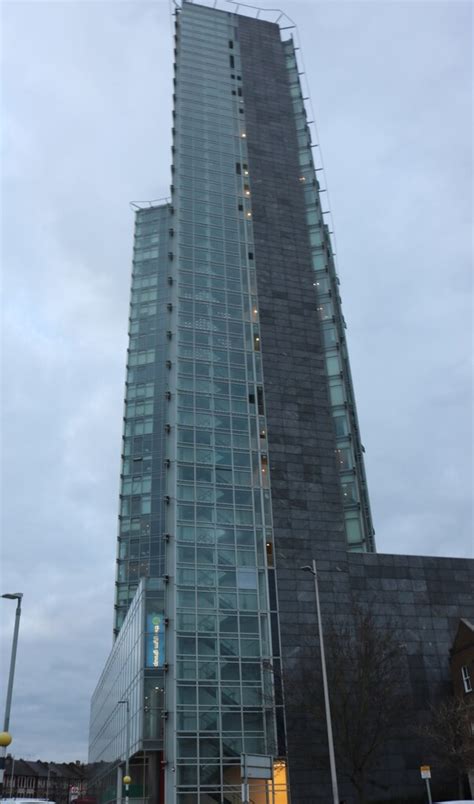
x=349, y=450
x=219, y=493
x=140, y=551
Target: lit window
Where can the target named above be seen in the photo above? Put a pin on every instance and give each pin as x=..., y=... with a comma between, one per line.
x=243, y=135
x=466, y=679
x=343, y=458
x=269, y=546
x=349, y=492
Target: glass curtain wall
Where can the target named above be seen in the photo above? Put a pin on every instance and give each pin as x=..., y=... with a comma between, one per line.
x=221, y=516
x=132, y=682
x=141, y=523
x=121, y=680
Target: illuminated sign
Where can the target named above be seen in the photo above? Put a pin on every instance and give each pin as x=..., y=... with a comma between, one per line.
x=155, y=640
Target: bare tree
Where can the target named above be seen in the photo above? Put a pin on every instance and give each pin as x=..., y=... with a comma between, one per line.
x=368, y=692
x=449, y=730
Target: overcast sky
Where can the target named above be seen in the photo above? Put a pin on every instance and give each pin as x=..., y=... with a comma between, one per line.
x=87, y=104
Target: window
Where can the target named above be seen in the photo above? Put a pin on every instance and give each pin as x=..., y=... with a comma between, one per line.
x=336, y=392
x=333, y=365
x=353, y=528
x=341, y=425
x=325, y=311
x=349, y=492
x=466, y=679
x=343, y=459
x=329, y=336
x=246, y=579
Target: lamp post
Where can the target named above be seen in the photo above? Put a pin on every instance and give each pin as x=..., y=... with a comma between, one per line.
x=332, y=759
x=127, y=779
x=5, y=737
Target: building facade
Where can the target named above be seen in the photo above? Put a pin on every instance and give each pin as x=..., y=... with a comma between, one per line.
x=61, y=782
x=462, y=674
x=242, y=457
x=237, y=356
x=462, y=662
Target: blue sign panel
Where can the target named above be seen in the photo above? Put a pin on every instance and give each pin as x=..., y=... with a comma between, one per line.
x=155, y=640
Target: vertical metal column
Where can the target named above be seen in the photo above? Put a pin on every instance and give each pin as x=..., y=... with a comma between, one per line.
x=327, y=706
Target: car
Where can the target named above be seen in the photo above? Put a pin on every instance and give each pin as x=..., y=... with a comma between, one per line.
x=26, y=801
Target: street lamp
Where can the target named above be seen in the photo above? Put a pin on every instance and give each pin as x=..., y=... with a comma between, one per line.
x=332, y=758
x=127, y=779
x=5, y=737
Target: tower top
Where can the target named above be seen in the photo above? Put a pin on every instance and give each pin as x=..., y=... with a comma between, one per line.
x=273, y=15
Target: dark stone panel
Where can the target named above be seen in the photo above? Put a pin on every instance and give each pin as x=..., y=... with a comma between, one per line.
x=426, y=631
x=307, y=507
x=421, y=597
x=307, y=503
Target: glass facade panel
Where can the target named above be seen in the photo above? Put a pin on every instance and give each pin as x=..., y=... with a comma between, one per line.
x=129, y=688
x=218, y=483
x=141, y=523
x=197, y=622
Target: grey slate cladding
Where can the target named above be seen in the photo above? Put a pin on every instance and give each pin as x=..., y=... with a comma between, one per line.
x=422, y=597
x=307, y=506
x=306, y=500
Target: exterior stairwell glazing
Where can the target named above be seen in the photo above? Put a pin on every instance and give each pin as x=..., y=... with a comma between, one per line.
x=221, y=701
